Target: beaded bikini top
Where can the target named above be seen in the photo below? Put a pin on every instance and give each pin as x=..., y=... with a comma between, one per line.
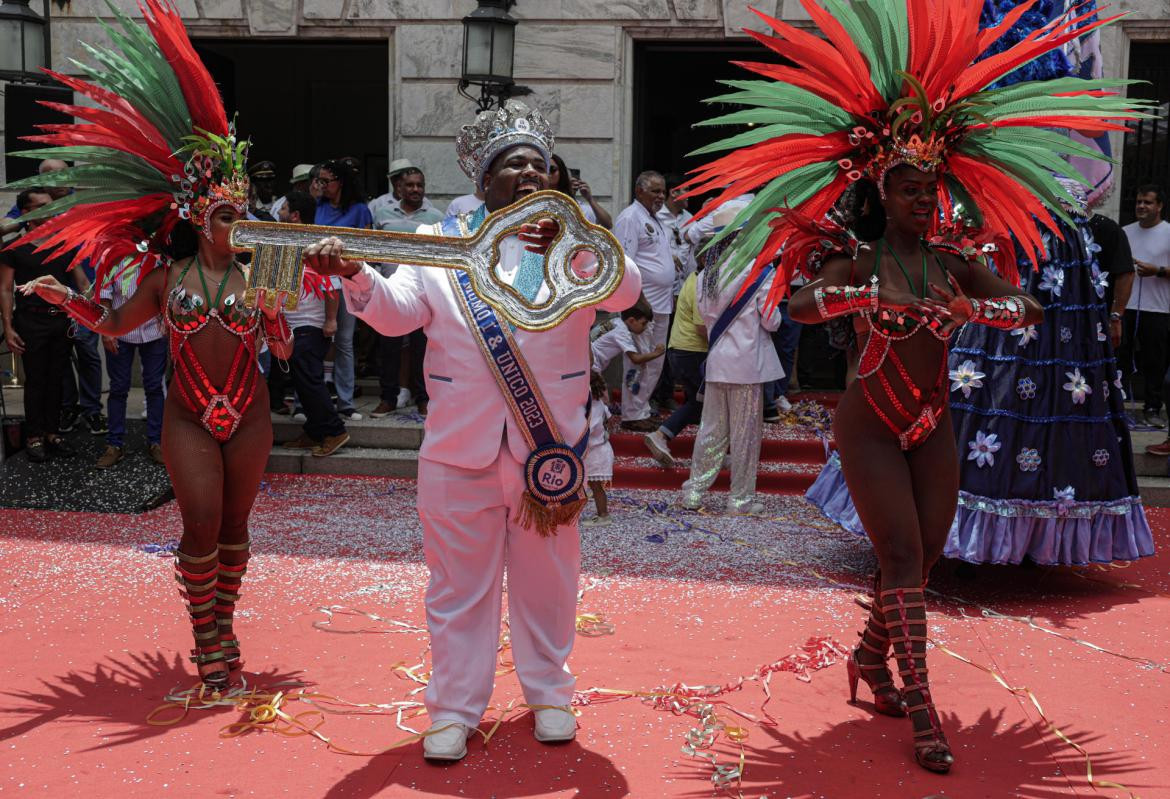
x=220, y=410
x=186, y=312
x=887, y=327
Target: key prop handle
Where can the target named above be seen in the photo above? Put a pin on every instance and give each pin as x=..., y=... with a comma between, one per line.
x=277, y=263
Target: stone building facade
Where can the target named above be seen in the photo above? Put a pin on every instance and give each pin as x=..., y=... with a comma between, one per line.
x=576, y=55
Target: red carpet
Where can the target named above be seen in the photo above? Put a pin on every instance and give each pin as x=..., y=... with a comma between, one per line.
x=93, y=638
x=790, y=456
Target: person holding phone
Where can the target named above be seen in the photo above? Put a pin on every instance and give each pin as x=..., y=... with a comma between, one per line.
x=568, y=181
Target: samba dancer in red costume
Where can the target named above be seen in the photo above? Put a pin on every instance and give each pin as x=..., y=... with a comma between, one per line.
x=893, y=102
x=161, y=165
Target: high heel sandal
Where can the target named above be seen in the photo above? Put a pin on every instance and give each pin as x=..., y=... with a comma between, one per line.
x=931, y=749
x=875, y=638
x=197, y=586
x=227, y=593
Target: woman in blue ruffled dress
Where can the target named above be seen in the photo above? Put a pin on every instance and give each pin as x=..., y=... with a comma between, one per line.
x=1046, y=468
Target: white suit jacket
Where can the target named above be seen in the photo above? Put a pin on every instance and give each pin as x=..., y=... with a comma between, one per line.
x=467, y=413
x=744, y=353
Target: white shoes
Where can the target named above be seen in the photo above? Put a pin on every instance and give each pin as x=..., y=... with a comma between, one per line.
x=659, y=448
x=782, y=404
x=404, y=398
x=448, y=742
x=555, y=725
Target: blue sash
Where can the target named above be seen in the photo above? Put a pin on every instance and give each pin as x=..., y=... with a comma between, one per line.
x=731, y=311
x=554, y=472
x=728, y=316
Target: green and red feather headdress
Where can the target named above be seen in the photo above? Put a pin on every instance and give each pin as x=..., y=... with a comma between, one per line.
x=901, y=82
x=156, y=147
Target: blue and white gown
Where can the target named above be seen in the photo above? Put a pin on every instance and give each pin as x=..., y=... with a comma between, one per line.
x=1046, y=466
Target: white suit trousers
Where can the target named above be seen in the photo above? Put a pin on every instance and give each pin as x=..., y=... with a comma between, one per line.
x=469, y=534
x=637, y=406
x=733, y=418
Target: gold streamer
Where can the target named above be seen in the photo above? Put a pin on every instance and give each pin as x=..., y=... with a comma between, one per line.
x=1026, y=693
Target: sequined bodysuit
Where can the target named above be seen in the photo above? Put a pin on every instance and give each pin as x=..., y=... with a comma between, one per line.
x=885, y=328
x=219, y=409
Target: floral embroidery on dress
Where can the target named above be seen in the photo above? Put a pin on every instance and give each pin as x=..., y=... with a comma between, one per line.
x=1065, y=335
x=1026, y=388
x=966, y=377
x=1028, y=459
x=1052, y=280
x=1101, y=335
x=1101, y=457
x=1065, y=499
x=1100, y=281
x=1077, y=386
x=983, y=449
x=1026, y=334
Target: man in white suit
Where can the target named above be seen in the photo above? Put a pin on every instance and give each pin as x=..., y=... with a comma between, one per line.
x=471, y=481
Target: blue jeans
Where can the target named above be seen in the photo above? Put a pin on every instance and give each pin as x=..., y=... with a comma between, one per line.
x=89, y=373
x=119, y=366
x=785, y=340
x=686, y=366
x=343, y=356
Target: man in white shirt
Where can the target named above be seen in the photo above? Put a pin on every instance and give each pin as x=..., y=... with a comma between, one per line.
x=465, y=204
x=645, y=239
x=478, y=477
x=1147, y=315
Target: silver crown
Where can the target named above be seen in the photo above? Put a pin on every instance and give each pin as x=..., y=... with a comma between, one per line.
x=495, y=131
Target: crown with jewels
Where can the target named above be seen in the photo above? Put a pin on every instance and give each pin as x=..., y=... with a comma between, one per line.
x=512, y=124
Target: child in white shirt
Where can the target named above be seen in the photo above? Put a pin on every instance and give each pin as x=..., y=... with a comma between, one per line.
x=622, y=339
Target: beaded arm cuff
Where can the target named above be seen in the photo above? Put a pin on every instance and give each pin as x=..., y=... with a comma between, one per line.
x=1004, y=313
x=277, y=331
x=85, y=311
x=835, y=301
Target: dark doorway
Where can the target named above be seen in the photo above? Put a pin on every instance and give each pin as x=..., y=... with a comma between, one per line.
x=305, y=102
x=671, y=81
x=23, y=113
x=1147, y=145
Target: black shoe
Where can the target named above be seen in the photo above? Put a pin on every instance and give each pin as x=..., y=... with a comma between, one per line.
x=68, y=421
x=97, y=424
x=36, y=451
x=59, y=446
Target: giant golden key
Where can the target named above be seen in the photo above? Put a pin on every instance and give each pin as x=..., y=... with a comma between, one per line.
x=277, y=258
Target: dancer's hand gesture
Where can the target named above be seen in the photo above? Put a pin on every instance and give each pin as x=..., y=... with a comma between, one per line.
x=47, y=287
x=957, y=307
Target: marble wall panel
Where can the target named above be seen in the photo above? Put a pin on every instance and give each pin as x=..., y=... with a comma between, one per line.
x=687, y=10
x=429, y=51
x=67, y=43
x=221, y=9
x=97, y=8
x=736, y=16
x=431, y=109
x=269, y=17
x=322, y=9
x=563, y=51
x=411, y=9
x=638, y=10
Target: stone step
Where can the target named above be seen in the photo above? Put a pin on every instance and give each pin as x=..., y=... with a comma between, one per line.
x=1155, y=491
x=395, y=431
x=363, y=461
x=1145, y=464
